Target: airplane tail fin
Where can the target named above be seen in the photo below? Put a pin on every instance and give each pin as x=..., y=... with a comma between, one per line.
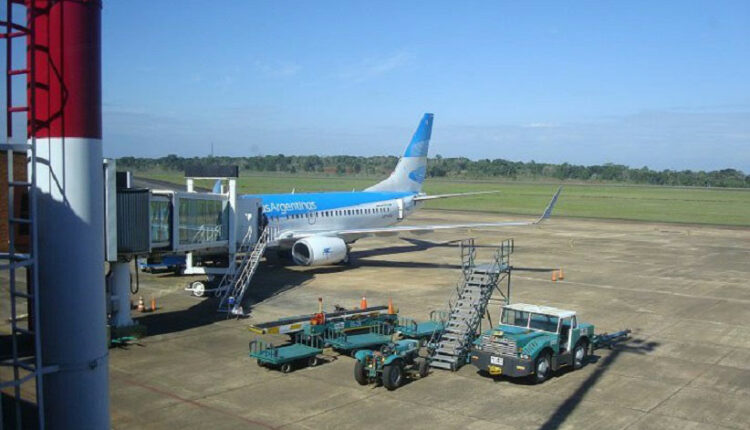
x=217, y=187
x=412, y=166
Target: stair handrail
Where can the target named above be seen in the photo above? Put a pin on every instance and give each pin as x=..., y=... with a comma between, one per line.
x=233, y=266
x=231, y=276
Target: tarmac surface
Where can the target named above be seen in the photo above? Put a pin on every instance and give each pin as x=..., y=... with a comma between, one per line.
x=682, y=289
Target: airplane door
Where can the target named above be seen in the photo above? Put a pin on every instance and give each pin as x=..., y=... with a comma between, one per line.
x=312, y=217
x=400, y=205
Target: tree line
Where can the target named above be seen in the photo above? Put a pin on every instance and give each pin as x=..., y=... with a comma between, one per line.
x=458, y=168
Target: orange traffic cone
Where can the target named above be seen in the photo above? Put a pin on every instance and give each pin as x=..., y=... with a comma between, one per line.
x=554, y=276
x=561, y=276
x=363, y=303
x=390, y=306
x=153, y=304
x=141, y=305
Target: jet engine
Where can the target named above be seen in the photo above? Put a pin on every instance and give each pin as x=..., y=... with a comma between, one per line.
x=319, y=250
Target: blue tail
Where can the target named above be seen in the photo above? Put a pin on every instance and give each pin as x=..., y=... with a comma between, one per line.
x=412, y=167
x=217, y=187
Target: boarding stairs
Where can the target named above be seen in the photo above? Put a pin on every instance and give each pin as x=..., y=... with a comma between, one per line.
x=469, y=305
x=235, y=282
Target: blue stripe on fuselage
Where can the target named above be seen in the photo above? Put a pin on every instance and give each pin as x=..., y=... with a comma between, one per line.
x=291, y=204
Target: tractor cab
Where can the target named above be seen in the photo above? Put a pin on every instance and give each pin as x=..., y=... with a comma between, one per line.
x=530, y=336
x=523, y=322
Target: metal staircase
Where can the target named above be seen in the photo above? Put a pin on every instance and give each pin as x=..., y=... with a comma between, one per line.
x=469, y=304
x=234, y=284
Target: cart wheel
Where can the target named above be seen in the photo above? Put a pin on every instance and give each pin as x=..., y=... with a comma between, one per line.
x=422, y=366
x=286, y=368
x=198, y=288
x=260, y=363
x=393, y=375
x=360, y=373
x=353, y=353
x=313, y=361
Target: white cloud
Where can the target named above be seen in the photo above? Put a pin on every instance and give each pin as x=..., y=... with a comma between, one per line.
x=372, y=67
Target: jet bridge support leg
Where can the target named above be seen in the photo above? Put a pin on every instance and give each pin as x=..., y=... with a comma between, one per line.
x=121, y=323
x=119, y=283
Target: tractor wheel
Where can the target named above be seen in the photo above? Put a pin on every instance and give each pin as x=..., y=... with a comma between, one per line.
x=393, y=375
x=422, y=366
x=542, y=368
x=579, y=354
x=360, y=373
x=313, y=361
x=286, y=368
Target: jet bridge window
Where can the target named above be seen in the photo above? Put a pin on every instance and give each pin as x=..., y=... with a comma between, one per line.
x=159, y=214
x=202, y=221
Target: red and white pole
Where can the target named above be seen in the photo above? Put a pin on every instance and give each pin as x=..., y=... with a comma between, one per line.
x=70, y=211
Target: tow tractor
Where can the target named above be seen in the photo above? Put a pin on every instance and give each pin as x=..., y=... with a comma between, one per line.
x=533, y=341
x=390, y=364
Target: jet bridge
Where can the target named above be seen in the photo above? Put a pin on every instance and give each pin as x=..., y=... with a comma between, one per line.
x=206, y=227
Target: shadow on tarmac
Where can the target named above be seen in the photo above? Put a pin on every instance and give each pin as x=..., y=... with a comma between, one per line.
x=634, y=346
x=561, y=414
x=275, y=277
x=269, y=281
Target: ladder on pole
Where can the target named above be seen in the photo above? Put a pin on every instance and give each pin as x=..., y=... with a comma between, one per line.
x=469, y=305
x=26, y=362
x=234, y=284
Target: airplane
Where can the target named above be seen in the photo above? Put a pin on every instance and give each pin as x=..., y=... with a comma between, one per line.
x=320, y=228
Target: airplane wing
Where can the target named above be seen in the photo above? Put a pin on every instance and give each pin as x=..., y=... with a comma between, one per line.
x=421, y=198
x=394, y=230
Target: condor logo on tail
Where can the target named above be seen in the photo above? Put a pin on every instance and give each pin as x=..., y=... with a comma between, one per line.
x=418, y=174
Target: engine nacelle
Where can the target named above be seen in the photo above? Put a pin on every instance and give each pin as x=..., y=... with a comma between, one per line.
x=318, y=251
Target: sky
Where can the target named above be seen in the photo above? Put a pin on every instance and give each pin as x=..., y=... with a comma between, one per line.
x=659, y=84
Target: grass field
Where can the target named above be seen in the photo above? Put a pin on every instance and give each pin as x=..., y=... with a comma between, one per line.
x=640, y=203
